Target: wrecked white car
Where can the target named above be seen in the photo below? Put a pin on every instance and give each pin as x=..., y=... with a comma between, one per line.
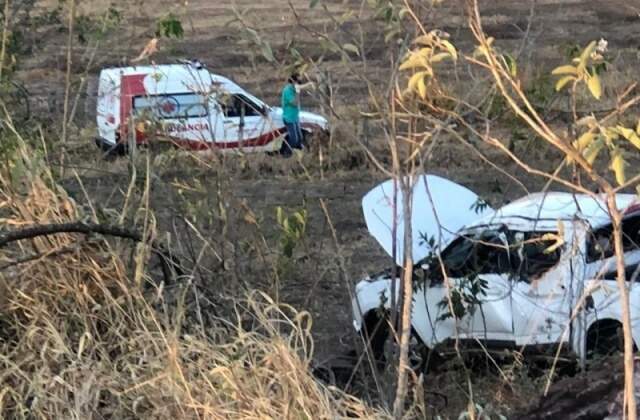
x=533, y=274
x=188, y=106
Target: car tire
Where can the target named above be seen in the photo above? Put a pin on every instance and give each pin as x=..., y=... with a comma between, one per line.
x=376, y=333
x=605, y=338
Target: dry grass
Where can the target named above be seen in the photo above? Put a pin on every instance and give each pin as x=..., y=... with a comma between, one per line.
x=80, y=338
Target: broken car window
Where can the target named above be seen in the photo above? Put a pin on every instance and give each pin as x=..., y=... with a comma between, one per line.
x=533, y=255
x=524, y=256
x=600, y=241
x=483, y=253
x=630, y=270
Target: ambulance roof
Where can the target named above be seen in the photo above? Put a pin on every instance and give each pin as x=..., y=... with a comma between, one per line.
x=176, y=76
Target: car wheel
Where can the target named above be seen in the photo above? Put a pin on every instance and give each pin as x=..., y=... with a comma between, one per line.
x=376, y=332
x=422, y=359
x=605, y=338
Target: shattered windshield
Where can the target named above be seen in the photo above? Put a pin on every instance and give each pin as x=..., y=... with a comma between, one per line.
x=481, y=253
x=524, y=256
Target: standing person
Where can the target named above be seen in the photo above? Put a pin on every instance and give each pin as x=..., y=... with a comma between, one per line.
x=291, y=114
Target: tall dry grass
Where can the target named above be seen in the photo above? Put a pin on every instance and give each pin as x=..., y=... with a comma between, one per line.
x=80, y=339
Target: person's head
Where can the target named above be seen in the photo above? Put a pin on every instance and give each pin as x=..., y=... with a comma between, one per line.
x=294, y=78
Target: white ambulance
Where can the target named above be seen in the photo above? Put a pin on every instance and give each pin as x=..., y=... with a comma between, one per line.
x=190, y=107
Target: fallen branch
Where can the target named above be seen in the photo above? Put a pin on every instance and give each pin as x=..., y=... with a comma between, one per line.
x=168, y=260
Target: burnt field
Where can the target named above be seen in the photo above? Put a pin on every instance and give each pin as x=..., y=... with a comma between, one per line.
x=219, y=212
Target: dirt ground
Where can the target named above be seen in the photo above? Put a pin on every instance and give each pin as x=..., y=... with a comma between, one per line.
x=324, y=271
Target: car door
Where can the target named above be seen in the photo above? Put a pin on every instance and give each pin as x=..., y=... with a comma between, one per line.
x=490, y=319
x=243, y=122
x=474, y=301
x=601, y=273
x=542, y=291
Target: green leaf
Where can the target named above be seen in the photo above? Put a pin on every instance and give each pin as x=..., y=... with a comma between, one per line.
x=591, y=152
x=594, y=86
x=563, y=81
x=313, y=3
x=351, y=48
x=267, y=53
x=170, y=27
x=511, y=64
x=391, y=34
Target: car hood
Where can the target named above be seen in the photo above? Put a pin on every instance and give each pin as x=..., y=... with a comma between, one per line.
x=440, y=209
x=305, y=118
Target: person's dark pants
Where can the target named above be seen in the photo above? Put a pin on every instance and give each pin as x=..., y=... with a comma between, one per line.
x=293, y=140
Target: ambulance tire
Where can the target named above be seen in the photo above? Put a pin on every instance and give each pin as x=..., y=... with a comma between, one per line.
x=110, y=150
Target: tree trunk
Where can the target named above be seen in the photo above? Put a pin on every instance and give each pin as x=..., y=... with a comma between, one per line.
x=629, y=394
x=407, y=298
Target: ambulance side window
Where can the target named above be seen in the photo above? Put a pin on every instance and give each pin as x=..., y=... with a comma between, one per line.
x=174, y=106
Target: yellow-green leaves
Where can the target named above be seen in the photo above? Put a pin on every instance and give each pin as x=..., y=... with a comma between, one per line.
x=557, y=238
x=566, y=69
x=618, y=165
x=584, y=141
x=450, y=48
x=351, y=48
x=629, y=134
x=614, y=139
x=579, y=71
x=510, y=64
x=592, y=151
x=563, y=81
x=432, y=49
x=584, y=57
x=593, y=83
x=418, y=59
x=482, y=50
x=417, y=83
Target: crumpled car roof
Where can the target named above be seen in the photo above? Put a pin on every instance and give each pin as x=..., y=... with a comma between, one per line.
x=442, y=208
x=542, y=211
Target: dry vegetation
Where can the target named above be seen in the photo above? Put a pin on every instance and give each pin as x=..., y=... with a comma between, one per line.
x=82, y=338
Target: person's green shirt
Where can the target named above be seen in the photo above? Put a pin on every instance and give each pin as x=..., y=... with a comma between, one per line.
x=290, y=109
